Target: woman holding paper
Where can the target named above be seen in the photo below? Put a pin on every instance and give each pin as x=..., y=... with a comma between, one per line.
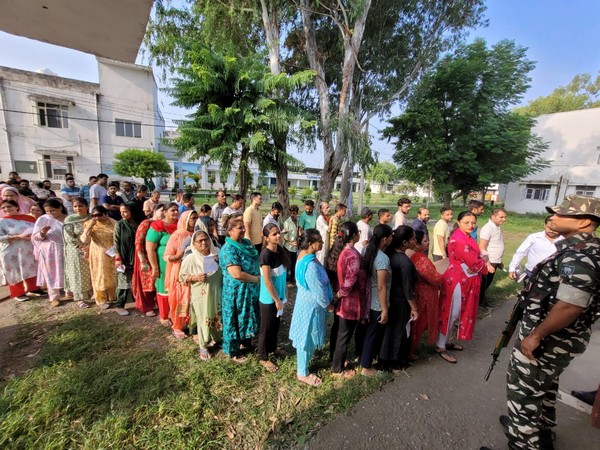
x=124, y=241
x=200, y=271
x=273, y=262
x=48, y=248
x=179, y=293
x=459, y=296
x=98, y=233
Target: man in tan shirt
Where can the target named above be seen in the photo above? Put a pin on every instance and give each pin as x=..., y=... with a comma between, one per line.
x=253, y=221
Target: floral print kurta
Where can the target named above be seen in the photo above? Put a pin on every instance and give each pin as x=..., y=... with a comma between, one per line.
x=462, y=248
x=102, y=266
x=239, y=306
x=77, y=268
x=16, y=257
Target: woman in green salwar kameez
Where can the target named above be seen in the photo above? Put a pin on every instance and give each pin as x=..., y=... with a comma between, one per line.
x=78, y=282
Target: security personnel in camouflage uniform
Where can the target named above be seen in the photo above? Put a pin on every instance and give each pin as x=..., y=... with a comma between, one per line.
x=561, y=304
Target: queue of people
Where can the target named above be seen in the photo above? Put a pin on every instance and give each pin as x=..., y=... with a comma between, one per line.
x=221, y=274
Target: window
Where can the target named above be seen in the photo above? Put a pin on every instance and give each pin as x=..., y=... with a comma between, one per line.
x=585, y=190
x=128, y=128
x=57, y=166
x=25, y=167
x=52, y=115
x=537, y=192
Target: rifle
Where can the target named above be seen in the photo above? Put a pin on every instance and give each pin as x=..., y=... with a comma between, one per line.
x=504, y=338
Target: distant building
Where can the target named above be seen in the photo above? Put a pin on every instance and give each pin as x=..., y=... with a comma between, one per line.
x=574, y=152
x=50, y=125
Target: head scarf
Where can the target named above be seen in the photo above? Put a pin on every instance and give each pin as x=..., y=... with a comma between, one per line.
x=24, y=202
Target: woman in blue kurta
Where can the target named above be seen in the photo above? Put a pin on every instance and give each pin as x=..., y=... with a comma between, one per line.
x=313, y=300
x=241, y=274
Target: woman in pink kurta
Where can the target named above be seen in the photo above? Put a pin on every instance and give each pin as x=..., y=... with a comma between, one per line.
x=459, y=297
x=47, y=239
x=353, y=299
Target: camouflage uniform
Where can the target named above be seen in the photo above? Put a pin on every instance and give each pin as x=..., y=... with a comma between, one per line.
x=572, y=275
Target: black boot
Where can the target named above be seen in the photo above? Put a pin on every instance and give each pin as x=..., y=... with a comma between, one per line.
x=585, y=396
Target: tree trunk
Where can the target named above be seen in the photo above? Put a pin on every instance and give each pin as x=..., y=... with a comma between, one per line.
x=346, y=190
x=270, y=17
x=244, y=171
x=447, y=199
x=333, y=155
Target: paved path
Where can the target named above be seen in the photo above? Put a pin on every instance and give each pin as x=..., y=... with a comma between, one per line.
x=437, y=405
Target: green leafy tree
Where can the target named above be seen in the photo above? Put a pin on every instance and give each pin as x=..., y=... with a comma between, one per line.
x=383, y=173
x=581, y=93
x=236, y=117
x=457, y=129
x=144, y=164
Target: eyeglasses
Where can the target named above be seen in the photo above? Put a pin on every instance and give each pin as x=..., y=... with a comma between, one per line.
x=202, y=240
x=97, y=215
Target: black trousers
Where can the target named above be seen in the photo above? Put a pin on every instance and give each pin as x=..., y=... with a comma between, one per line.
x=486, y=282
x=372, y=342
x=269, y=328
x=345, y=332
x=291, y=273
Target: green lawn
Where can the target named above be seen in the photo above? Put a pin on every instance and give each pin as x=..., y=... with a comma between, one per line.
x=103, y=381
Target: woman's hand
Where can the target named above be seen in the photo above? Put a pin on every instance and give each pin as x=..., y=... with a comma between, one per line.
x=414, y=314
x=278, y=304
x=330, y=307
x=490, y=268
x=200, y=278
x=383, y=318
x=44, y=231
x=155, y=273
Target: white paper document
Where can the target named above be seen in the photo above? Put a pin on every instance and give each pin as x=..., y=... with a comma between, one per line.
x=465, y=269
x=210, y=265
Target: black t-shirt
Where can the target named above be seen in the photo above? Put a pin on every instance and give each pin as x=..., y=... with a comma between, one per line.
x=269, y=258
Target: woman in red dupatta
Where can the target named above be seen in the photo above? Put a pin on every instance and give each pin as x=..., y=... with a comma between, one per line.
x=179, y=293
x=142, y=283
x=459, y=297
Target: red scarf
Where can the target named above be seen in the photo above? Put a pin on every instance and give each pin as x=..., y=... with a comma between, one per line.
x=161, y=227
x=25, y=217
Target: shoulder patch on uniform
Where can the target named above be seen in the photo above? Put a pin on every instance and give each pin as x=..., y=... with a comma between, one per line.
x=567, y=270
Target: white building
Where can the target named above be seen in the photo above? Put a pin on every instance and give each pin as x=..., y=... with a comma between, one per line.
x=574, y=152
x=51, y=125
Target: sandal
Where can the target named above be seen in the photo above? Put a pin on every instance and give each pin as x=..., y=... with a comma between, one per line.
x=204, y=355
x=239, y=359
x=311, y=379
x=368, y=372
x=454, y=347
x=179, y=334
x=82, y=304
x=446, y=356
x=269, y=366
x=150, y=314
x=165, y=322
x=346, y=374
x=55, y=303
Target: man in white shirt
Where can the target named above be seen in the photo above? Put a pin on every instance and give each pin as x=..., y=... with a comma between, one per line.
x=98, y=190
x=441, y=234
x=217, y=212
x=364, y=229
x=273, y=216
x=536, y=247
x=491, y=242
x=401, y=217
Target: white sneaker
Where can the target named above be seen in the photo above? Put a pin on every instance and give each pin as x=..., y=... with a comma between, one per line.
x=22, y=298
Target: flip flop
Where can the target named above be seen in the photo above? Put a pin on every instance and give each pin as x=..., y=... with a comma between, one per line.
x=347, y=374
x=82, y=304
x=165, y=322
x=239, y=359
x=454, y=347
x=269, y=366
x=179, y=334
x=311, y=379
x=446, y=356
x=204, y=355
